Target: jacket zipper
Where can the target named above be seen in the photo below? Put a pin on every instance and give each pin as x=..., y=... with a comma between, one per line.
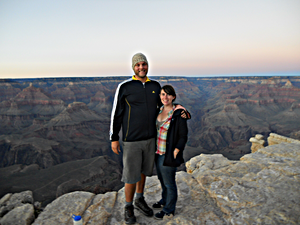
x=144, y=85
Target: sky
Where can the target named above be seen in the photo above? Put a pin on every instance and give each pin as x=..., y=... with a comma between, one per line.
x=87, y=38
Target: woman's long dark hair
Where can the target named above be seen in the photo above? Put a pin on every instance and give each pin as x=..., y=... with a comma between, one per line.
x=169, y=90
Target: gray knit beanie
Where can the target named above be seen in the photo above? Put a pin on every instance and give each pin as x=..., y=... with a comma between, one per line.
x=138, y=57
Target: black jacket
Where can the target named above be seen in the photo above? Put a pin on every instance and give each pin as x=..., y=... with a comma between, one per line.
x=135, y=110
x=176, y=138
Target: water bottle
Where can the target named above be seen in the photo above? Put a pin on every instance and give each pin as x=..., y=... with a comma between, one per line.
x=77, y=220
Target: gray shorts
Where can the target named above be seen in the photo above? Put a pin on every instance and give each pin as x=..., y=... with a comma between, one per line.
x=138, y=157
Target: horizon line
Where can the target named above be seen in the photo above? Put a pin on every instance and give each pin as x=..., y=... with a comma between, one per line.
x=189, y=76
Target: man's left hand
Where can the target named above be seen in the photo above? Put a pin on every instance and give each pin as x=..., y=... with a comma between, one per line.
x=184, y=114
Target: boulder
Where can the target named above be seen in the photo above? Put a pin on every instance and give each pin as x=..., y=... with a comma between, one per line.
x=60, y=211
x=257, y=142
x=22, y=215
x=12, y=201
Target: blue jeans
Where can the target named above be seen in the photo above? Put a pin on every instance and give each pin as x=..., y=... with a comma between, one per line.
x=166, y=176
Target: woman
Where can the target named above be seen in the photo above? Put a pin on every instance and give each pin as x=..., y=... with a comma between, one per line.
x=171, y=139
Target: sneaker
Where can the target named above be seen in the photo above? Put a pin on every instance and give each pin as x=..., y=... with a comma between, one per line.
x=160, y=215
x=142, y=206
x=157, y=205
x=129, y=215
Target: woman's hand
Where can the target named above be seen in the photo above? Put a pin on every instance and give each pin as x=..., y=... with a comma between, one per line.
x=176, y=151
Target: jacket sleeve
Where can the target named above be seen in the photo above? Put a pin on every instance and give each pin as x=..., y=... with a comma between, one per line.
x=117, y=114
x=182, y=133
x=188, y=115
x=186, y=112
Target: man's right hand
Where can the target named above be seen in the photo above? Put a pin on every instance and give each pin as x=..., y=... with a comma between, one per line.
x=115, y=146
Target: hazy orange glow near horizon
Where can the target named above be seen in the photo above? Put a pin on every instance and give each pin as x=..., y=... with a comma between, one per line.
x=98, y=38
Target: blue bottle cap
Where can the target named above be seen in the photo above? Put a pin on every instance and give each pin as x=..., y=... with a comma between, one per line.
x=76, y=218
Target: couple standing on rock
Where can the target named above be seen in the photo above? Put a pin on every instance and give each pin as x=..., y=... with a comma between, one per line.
x=154, y=129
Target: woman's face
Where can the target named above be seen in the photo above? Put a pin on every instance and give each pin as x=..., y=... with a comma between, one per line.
x=165, y=98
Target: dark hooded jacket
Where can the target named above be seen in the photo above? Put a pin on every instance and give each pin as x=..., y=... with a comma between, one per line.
x=176, y=138
x=135, y=110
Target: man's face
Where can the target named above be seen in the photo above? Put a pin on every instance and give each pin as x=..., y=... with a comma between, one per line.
x=141, y=69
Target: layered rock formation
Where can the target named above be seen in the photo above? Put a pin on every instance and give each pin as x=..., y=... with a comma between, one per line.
x=224, y=110
x=275, y=139
x=15, y=149
x=73, y=93
x=261, y=188
x=101, y=103
x=239, y=111
x=257, y=80
x=18, y=112
x=8, y=91
x=75, y=133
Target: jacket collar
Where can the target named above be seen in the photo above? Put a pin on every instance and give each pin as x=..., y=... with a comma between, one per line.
x=133, y=78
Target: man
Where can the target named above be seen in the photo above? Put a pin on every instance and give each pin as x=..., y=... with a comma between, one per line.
x=135, y=109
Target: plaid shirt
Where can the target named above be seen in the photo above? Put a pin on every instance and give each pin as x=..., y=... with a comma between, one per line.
x=162, y=133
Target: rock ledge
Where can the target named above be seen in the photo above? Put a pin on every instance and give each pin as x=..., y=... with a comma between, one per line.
x=260, y=188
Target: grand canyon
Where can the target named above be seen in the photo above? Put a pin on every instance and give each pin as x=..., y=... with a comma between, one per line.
x=54, y=131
